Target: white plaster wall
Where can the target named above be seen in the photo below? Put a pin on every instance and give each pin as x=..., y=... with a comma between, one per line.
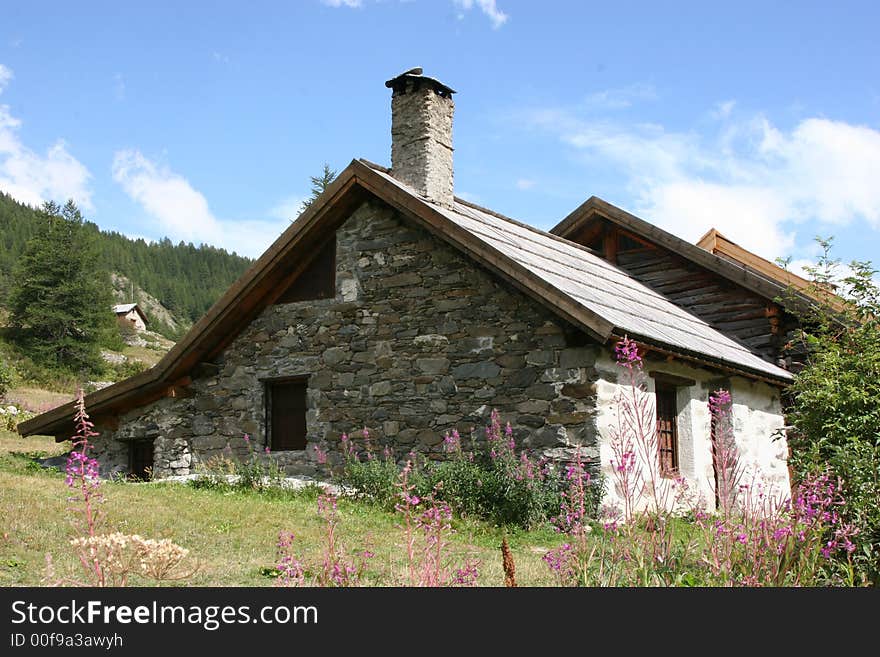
x=757, y=415
x=763, y=449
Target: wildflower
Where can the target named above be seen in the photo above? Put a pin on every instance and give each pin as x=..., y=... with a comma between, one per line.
x=452, y=442
x=626, y=352
x=467, y=576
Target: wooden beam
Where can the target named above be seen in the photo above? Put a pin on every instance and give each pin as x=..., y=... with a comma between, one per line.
x=610, y=245
x=672, y=379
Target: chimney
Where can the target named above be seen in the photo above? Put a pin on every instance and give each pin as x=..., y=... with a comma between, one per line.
x=421, y=135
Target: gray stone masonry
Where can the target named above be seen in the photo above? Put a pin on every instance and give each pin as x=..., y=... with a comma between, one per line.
x=419, y=340
x=421, y=141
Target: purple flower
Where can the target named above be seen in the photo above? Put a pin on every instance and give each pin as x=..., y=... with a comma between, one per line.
x=626, y=352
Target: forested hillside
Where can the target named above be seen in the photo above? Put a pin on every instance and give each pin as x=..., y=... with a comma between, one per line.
x=185, y=278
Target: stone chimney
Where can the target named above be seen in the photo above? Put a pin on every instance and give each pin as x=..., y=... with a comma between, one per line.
x=421, y=135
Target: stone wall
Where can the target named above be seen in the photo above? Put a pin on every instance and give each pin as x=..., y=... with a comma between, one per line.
x=418, y=341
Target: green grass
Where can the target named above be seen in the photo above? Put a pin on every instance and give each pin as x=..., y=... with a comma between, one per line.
x=231, y=535
x=37, y=399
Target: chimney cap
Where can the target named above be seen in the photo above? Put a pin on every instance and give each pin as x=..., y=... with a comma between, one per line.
x=399, y=83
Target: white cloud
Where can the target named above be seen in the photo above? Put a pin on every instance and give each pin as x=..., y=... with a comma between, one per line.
x=723, y=110
x=33, y=178
x=220, y=58
x=182, y=212
x=5, y=77
x=525, y=183
x=753, y=181
x=488, y=7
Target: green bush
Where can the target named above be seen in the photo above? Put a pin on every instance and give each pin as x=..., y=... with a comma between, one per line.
x=486, y=480
x=836, y=402
x=128, y=368
x=5, y=377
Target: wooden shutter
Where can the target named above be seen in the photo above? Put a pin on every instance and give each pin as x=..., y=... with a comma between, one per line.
x=287, y=410
x=667, y=430
x=140, y=459
x=318, y=280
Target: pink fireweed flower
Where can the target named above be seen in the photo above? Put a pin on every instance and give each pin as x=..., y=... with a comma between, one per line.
x=320, y=455
x=247, y=439
x=467, y=575
x=626, y=353
x=452, y=442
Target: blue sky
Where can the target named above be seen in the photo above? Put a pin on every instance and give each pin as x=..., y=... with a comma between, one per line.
x=203, y=121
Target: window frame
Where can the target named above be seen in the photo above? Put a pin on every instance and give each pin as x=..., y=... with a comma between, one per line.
x=269, y=387
x=669, y=392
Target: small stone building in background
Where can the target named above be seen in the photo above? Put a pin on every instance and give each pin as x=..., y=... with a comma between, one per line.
x=130, y=315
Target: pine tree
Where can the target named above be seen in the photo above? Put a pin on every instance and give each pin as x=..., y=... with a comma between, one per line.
x=319, y=186
x=60, y=300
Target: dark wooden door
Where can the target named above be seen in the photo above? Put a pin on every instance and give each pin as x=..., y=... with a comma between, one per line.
x=141, y=459
x=288, y=415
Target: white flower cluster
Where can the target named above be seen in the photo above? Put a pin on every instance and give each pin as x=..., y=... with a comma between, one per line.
x=10, y=416
x=123, y=554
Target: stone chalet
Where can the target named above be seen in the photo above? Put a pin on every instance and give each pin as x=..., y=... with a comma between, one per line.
x=393, y=305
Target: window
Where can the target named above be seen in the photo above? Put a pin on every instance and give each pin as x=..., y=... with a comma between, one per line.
x=667, y=430
x=140, y=459
x=286, y=414
x=318, y=279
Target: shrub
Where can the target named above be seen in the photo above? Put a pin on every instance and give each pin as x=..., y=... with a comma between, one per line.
x=5, y=377
x=128, y=368
x=257, y=472
x=11, y=415
x=487, y=480
x=836, y=401
x=370, y=477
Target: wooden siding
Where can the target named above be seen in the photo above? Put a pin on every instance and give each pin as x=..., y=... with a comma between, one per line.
x=751, y=319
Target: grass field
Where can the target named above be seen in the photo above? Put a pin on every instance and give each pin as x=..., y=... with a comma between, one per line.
x=232, y=536
x=37, y=399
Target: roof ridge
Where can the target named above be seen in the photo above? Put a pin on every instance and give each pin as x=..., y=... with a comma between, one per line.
x=534, y=229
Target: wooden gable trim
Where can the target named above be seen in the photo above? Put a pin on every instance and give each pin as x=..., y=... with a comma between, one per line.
x=716, y=243
x=595, y=208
